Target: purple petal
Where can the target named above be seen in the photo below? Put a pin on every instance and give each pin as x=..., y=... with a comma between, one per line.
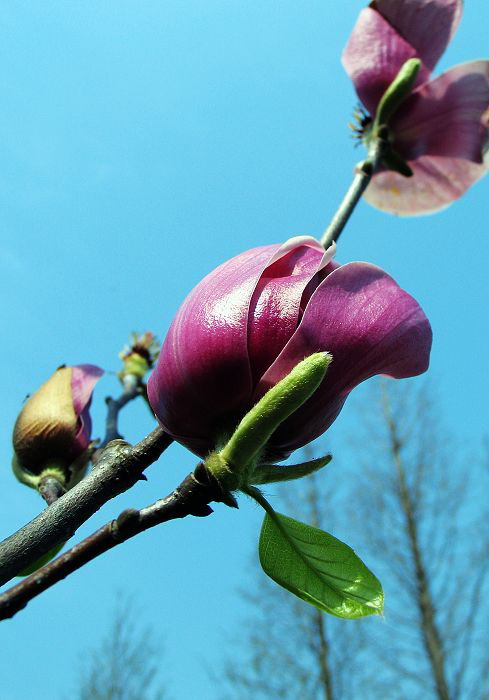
x=370, y=326
x=435, y=184
x=203, y=374
x=444, y=117
x=373, y=56
x=276, y=304
x=83, y=380
x=427, y=25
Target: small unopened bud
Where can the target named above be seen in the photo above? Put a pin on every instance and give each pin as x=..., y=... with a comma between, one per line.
x=138, y=357
x=51, y=436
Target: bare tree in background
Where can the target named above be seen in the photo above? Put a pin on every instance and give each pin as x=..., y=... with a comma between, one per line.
x=420, y=515
x=291, y=650
x=412, y=509
x=125, y=665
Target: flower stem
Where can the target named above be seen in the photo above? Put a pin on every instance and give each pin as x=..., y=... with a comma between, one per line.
x=363, y=175
x=51, y=489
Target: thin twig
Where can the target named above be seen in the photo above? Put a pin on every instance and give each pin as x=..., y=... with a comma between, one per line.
x=114, y=406
x=119, y=467
x=192, y=497
x=362, y=177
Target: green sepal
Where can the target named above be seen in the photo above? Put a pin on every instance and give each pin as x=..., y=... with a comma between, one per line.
x=397, y=92
x=271, y=473
x=225, y=477
x=68, y=476
x=318, y=568
x=42, y=560
x=135, y=365
x=393, y=161
x=25, y=476
x=258, y=425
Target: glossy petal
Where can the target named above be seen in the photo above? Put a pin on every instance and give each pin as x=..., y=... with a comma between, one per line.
x=427, y=25
x=203, y=371
x=444, y=117
x=83, y=380
x=370, y=326
x=435, y=184
x=275, y=307
x=373, y=56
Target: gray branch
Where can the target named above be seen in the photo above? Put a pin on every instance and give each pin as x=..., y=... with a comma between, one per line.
x=192, y=497
x=120, y=467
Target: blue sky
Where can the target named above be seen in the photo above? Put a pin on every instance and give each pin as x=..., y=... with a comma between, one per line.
x=141, y=145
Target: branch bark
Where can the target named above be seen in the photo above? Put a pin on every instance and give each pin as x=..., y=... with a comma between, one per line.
x=192, y=497
x=119, y=467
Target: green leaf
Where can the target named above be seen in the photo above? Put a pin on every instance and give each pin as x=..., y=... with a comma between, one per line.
x=318, y=568
x=42, y=560
x=270, y=473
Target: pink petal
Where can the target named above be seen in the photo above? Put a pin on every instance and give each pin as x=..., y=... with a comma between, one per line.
x=276, y=304
x=370, y=326
x=83, y=380
x=374, y=55
x=444, y=117
x=203, y=373
x=427, y=25
x=435, y=184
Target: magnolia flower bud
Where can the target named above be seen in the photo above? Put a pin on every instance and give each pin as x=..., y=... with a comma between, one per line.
x=51, y=435
x=251, y=321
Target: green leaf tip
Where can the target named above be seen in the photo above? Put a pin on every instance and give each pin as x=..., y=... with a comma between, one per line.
x=272, y=473
x=397, y=92
x=318, y=568
x=42, y=561
x=283, y=399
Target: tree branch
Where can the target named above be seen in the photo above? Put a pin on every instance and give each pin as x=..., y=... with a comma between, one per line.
x=192, y=497
x=118, y=468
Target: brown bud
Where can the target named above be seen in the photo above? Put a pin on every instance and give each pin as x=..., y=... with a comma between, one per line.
x=46, y=427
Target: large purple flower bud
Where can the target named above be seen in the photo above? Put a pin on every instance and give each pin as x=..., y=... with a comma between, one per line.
x=248, y=323
x=54, y=427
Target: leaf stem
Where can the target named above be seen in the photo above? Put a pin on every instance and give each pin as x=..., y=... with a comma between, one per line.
x=257, y=495
x=51, y=489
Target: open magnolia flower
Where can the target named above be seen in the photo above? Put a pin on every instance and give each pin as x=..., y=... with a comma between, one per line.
x=441, y=129
x=52, y=432
x=248, y=323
